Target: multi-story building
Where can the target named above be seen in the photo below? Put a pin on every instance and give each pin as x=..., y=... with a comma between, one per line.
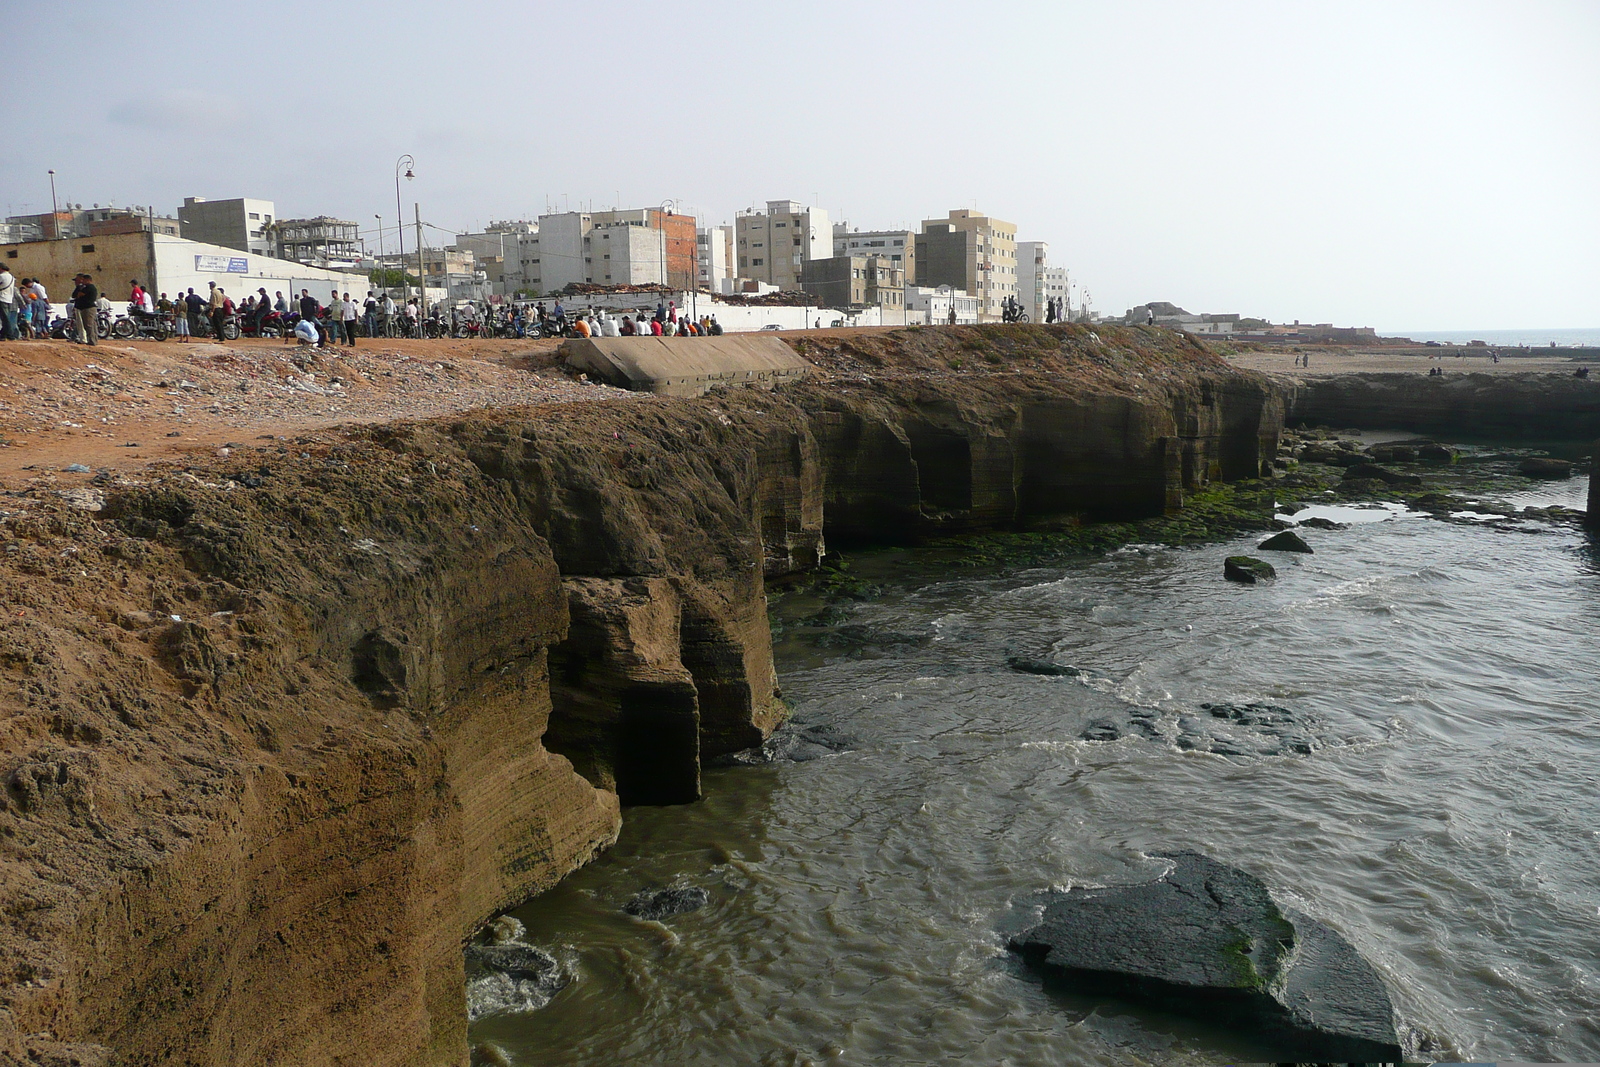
x=322, y=241
x=241, y=223
x=638, y=247
x=900, y=246
x=971, y=252
x=931, y=306
x=79, y=221
x=500, y=243
x=773, y=245
x=716, y=258
x=1038, y=283
x=855, y=281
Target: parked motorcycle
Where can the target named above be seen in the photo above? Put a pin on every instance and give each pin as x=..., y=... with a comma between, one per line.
x=139, y=323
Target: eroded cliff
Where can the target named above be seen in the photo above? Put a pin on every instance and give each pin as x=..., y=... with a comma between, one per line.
x=1501, y=407
x=283, y=728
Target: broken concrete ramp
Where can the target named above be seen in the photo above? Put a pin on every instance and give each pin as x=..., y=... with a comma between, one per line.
x=685, y=366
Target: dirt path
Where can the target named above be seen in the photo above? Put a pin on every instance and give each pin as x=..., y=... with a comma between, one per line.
x=121, y=404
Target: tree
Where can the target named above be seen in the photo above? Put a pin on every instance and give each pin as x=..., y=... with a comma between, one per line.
x=390, y=278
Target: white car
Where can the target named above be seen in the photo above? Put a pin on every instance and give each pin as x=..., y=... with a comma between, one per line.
x=772, y=326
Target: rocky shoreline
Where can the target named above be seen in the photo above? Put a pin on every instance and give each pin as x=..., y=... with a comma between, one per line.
x=289, y=723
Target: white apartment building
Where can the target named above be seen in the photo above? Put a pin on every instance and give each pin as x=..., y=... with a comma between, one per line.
x=241, y=223
x=1038, y=282
x=773, y=245
x=598, y=247
x=931, y=306
x=899, y=246
x=714, y=245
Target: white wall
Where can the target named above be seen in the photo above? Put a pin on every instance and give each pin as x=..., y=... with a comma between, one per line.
x=176, y=271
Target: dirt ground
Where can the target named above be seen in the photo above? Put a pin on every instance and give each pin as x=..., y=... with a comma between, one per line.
x=121, y=404
x=1328, y=362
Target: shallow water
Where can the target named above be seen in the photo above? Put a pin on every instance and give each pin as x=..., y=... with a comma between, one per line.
x=1445, y=823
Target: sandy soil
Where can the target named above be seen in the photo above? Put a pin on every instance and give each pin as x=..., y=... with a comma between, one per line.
x=121, y=404
x=1327, y=362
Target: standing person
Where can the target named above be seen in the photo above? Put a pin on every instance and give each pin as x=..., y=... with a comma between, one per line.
x=41, y=309
x=219, y=313
x=281, y=306
x=387, y=308
x=371, y=308
x=85, y=309
x=180, y=316
x=335, y=317
x=194, y=305
x=8, y=299
x=349, y=310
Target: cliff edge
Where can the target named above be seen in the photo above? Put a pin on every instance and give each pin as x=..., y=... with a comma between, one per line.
x=285, y=725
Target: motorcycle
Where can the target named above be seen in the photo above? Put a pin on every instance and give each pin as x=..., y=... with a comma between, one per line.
x=270, y=325
x=67, y=329
x=230, y=327
x=140, y=323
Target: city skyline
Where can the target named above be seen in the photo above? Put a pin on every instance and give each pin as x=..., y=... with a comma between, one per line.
x=1409, y=167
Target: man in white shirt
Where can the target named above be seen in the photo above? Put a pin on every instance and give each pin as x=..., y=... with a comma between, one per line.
x=8, y=296
x=348, y=315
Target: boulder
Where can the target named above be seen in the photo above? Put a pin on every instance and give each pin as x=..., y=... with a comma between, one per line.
x=1247, y=569
x=1373, y=472
x=1207, y=940
x=1287, y=541
x=1544, y=467
x=658, y=904
x=1436, y=455
x=1039, y=666
x=1397, y=453
x=1317, y=522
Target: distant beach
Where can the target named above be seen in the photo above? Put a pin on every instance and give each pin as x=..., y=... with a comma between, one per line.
x=1510, y=338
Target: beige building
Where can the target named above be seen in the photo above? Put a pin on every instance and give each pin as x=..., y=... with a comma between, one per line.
x=973, y=253
x=774, y=245
x=898, y=246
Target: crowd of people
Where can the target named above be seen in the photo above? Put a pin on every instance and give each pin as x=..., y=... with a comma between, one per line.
x=25, y=312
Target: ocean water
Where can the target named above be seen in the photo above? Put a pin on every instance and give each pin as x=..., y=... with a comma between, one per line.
x=1446, y=821
x=1587, y=336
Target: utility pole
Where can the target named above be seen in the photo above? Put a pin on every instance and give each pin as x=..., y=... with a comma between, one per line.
x=422, y=279
x=55, y=223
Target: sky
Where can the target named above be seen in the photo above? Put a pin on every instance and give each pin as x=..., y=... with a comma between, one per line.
x=1397, y=164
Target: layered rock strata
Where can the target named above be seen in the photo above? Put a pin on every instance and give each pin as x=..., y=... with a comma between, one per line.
x=270, y=754
x=1513, y=407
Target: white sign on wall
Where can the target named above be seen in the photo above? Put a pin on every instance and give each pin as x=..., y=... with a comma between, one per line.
x=223, y=264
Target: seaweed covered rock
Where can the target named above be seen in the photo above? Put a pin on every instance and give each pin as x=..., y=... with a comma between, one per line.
x=658, y=904
x=1247, y=569
x=1206, y=939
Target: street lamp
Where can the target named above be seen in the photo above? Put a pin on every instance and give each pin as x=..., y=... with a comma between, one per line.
x=404, y=163
x=55, y=224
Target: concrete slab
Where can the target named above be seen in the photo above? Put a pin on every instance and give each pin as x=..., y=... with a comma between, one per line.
x=685, y=366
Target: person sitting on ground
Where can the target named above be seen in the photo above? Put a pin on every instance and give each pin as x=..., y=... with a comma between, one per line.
x=305, y=332
x=582, y=326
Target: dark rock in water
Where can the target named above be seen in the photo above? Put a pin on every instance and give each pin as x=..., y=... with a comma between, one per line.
x=1436, y=455
x=517, y=960
x=1247, y=569
x=1040, y=666
x=1393, y=453
x=1284, y=730
x=1287, y=541
x=1539, y=467
x=1101, y=730
x=1330, y=454
x=1317, y=522
x=510, y=977
x=791, y=743
x=658, y=904
x=1207, y=940
x=1373, y=472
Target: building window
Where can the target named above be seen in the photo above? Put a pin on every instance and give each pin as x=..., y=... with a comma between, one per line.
x=758, y=262
x=255, y=215
x=780, y=225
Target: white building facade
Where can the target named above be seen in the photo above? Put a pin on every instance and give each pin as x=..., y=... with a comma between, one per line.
x=773, y=245
x=931, y=306
x=898, y=246
x=715, y=247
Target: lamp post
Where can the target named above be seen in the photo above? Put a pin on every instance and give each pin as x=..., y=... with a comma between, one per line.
x=668, y=206
x=378, y=219
x=55, y=224
x=404, y=163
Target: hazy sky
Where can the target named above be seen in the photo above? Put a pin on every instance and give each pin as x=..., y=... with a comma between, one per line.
x=1392, y=164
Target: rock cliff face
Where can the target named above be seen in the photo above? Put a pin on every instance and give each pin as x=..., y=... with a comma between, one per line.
x=1529, y=407
x=268, y=755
